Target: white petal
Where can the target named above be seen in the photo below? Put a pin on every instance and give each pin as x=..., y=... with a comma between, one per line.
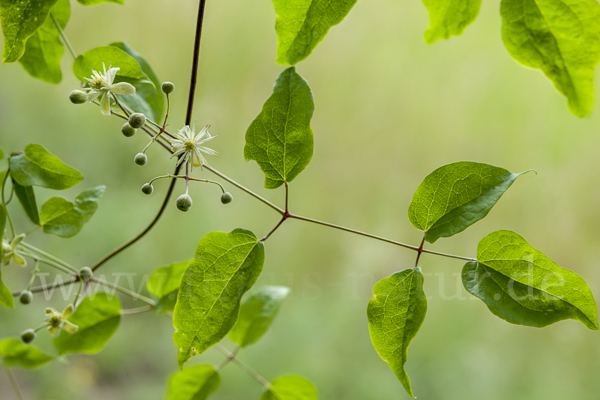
x=105, y=105
x=110, y=75
x=208, y=151
x=122, y=88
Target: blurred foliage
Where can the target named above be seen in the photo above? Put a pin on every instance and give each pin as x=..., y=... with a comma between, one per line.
x=389, y=110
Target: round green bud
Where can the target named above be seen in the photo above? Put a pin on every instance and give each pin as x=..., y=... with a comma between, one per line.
x=168, y=87
x=78, y=97
x=226, y=198
x=137, y=120
x=147, y=188
x=85, y=274
x=28, y=336
x=127, y=130
x=26, y=297
x=184, y=202
x=140, y=159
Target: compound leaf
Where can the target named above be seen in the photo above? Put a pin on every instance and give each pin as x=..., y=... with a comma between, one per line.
x=20, y=20
x=290, y=388
x=280, y=138
x=449, y=17
x=97, y=319
x=559, y=37
x=194, y=383
x=16, y=354
x=527, y=287
x=37, y=167
x=302, y=24
x=256, y=314
x=455, y=196
x=396, y=312
x=66, y=219
x=225, y=266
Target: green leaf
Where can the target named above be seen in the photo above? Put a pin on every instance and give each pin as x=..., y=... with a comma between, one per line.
x=20, y=20
x=164, y=284
x=37, y=167
x=396, y=312
x=26, y=197
x=65, y=219
x=15, y=354
x=302, y=24
x=6, y=297
x=449, y=17
x=44, y=49
x=93, y=60
x=513, y=301
x=226, y=265
x=290, y=388
x=280, y=138
x=257, y=313
x=148, y=98
x=455, y=196
x=527, y=287
x=97, y=319
x=94, y=2
x=559, y=37
x=195, y=383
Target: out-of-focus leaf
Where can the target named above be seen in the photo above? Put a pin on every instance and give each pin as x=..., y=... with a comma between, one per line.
x=256, y=314
x=194, y=383
x=107, y=56
x=20, y=20
x=44, y=49
x=164, y=284
x=559, y=37
x=97, y=319
x=37, y=167
x=449, y=17
x=15, y=354
x=66, y=219
x=290, y=388
x=26, y=197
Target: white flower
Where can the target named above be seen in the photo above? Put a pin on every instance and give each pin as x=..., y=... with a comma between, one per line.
x=189, y=145
x=57, y=321
x=102, y=85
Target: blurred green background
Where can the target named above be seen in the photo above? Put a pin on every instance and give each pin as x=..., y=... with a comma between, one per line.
x=389, y=110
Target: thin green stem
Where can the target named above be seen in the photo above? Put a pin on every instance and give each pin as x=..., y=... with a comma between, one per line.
x=43, y=288
x=119, y=104
x=437, y=253
x=250, y=192
x=4, y=203
x=243, y=367
x=49, y=256
x=127, y=292
x=188, y=178
x=343, y=228
x=64, y=37
x=195, y=62
x=14, y=384
x=420, y=251
x=137, y=310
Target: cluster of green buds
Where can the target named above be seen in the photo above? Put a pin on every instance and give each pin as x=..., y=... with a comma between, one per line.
x=185, y=144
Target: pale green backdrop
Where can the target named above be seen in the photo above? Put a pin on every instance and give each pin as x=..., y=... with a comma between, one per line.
x=389, y=110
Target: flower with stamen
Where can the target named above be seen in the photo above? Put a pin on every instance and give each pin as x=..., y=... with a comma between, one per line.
x=102, y=85
x=188, y=145
x=57, y=321
x=13, y=250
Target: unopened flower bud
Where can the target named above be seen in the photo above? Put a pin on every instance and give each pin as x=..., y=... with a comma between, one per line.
x=140, y=159
x=226, y=198
x=26, y=297
x=78, y=97
x=137, y=120
x=147, y=188
x=168, y=87
x=184, y=202
x=28, y=336
x=85, y=274
x=127, y=130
